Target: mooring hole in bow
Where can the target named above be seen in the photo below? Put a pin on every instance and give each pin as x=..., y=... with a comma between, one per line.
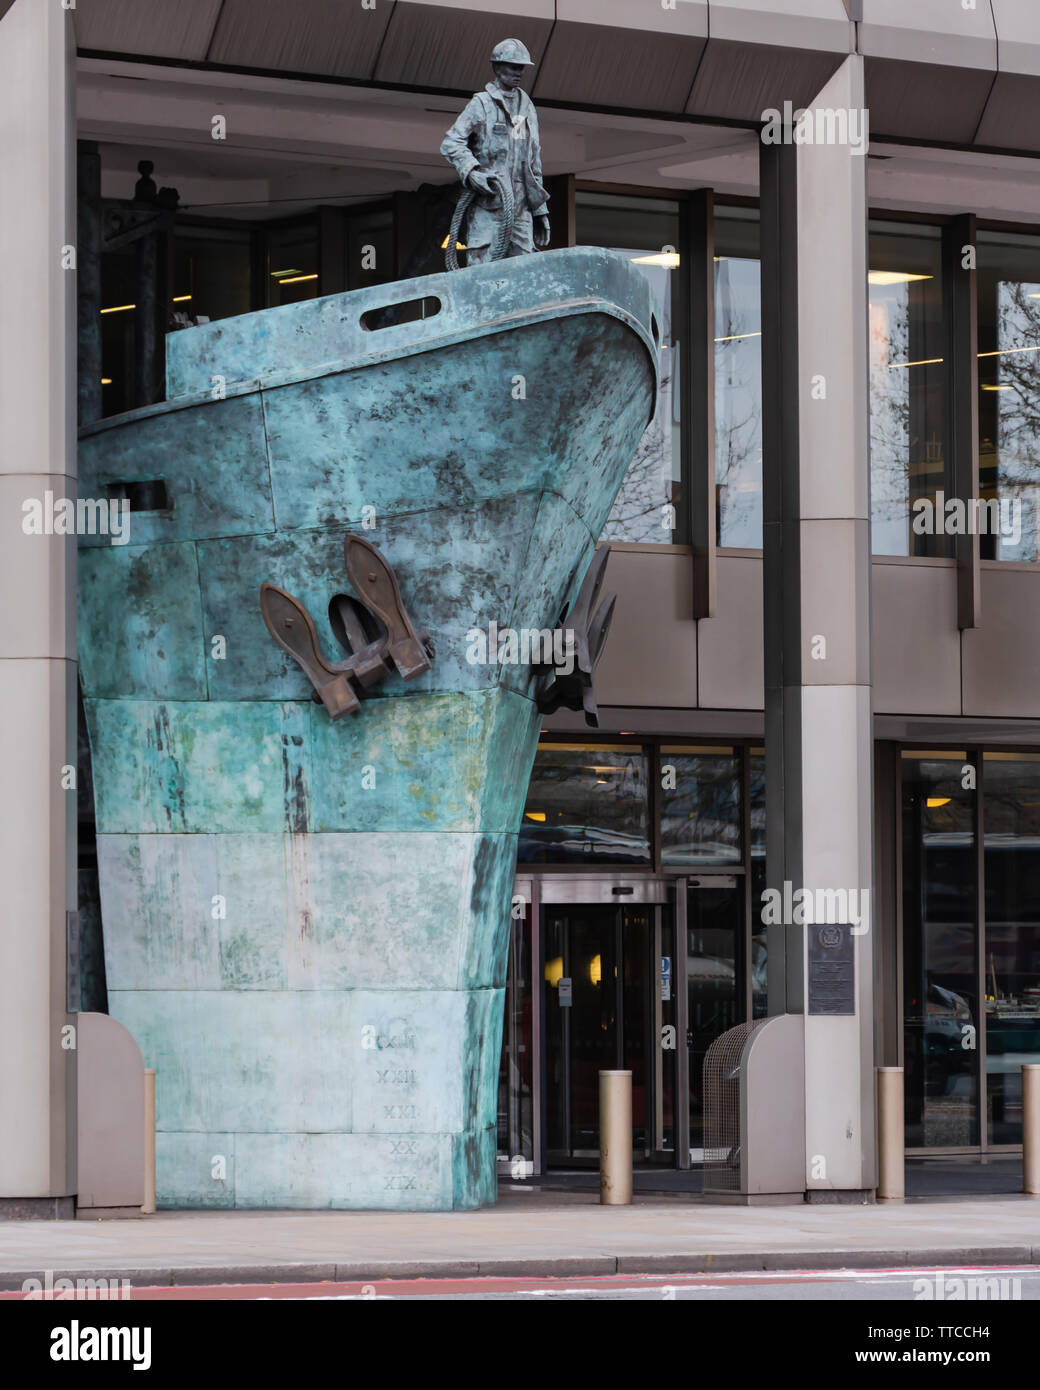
x=406, y=312
x=353, y=626
x=146, y=495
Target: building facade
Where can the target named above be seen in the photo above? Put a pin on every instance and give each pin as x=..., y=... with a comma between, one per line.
x=823, y=669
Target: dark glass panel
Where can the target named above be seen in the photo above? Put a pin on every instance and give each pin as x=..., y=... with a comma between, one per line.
x=759, y=955
x=1011, y=817
x=586, y=803
x=713, y=920
x=292, y=263
x=940, y=952
x=907, y=384
x=515, y=1076
x=213, y=274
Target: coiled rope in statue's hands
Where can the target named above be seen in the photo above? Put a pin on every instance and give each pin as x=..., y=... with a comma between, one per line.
x=505, y=211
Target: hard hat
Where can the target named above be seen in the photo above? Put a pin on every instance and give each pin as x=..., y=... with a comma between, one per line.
x=511, y=51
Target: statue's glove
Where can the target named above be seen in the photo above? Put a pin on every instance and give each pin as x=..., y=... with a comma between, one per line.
x=541, y=232
x=479, y=183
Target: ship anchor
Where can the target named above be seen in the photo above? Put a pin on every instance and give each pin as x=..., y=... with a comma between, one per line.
x=588, y=625
x=374, y=629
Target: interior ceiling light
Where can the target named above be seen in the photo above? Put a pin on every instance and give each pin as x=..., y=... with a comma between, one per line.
x=670, y=259
x=180, y=298
x=459, y=246
x=996, y=388
x=534, y=815
x=277, y=274
x=934, y=802
x=297, y=279
x=893, y=277
x=119, y=309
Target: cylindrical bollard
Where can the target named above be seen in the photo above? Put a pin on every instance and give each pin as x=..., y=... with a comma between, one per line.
x=615, y=1138
x=148, y=1205
x=1031, y=1128
x=891, y=1179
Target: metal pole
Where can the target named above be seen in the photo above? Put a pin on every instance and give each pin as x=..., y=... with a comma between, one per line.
x=1031, y=1129
x=615, y=1138
x=148, y=1205
x=891, y=1178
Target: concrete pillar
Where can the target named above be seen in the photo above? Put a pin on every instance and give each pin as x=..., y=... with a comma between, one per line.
x=819, y=782
x=37, y=617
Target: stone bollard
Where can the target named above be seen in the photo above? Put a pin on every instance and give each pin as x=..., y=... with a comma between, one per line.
x=615, y=1138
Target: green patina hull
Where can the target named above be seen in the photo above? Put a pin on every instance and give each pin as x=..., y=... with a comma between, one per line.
x=305, y=923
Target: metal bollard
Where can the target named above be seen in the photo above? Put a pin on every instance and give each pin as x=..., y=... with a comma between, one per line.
x=1031, y=1128
x=148, y=1205
x=891, y=1167
x=615, y=1138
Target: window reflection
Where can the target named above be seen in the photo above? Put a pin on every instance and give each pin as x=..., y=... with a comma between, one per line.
x=292, y=263
x=738, y=379
x=1011, y=810
x=907, y=384
x=1009, y=391
x=646, y=230
x=586, y=803
x=940, y=962
x=700, y=806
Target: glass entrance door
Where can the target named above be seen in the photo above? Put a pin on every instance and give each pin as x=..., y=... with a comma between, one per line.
x=608, y=1002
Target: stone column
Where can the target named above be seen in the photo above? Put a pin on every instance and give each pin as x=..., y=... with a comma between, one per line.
x=37, y=618
x=817, y=621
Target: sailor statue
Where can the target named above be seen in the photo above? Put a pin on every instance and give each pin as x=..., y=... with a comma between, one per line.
x=494, y=148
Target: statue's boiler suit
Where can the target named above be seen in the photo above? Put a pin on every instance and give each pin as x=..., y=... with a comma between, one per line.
x=488, y=136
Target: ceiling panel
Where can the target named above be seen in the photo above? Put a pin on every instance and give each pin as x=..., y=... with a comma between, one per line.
x=597, y=65
x=449, y=45
x=738, y=81
x=921, y=101
x=159, y=28
x=307, y=36
x=1012, y=117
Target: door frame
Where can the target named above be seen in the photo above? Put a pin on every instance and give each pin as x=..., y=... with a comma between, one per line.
x=607, y=890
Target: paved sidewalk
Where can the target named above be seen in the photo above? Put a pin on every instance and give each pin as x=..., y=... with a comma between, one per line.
x=528, y=1232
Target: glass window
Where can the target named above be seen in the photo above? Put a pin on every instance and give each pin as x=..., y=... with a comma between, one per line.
x=1009, y=393
x=1011, y=983
x=907, y=383
x=586, y=803
x=700, y=806
x=292, y=263
x=713, y=921
x=370, y=248
x=119, y=290
x=738, y=378
x=940, y=961
x=759, y=955
x=213, y=273
x=646, y=229
x=515, y=1077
